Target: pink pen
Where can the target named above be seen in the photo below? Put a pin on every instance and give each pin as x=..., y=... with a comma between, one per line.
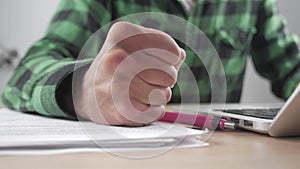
x=209, y=122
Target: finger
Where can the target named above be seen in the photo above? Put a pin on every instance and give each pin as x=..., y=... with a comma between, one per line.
x=111, y=115
x=132, y=38
x=146, y=114
x=159, y=77
x=153, y=70
x=181, y=59
x=150, y=40
x=149, y=94
x=149, y=68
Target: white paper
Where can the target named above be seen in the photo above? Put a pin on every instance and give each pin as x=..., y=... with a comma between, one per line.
x=22, y=133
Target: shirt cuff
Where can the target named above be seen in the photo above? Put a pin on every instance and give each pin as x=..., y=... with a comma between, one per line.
x=45, y=93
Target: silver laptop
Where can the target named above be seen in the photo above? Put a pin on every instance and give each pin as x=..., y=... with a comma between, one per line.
x=277, y=121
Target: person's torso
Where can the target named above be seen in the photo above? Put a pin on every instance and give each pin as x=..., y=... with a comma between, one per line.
x=229, y=25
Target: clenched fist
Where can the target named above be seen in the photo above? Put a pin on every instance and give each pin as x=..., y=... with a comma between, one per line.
x=129, y=82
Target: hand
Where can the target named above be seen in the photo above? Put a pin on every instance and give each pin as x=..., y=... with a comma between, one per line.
x=129, y=82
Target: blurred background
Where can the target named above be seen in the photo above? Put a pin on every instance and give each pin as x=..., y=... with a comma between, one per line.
x=24, y=22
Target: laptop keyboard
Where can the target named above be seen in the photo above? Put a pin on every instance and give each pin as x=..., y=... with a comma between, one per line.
x=259, y=113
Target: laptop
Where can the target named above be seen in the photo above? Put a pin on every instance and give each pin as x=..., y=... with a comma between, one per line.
x=275, y=120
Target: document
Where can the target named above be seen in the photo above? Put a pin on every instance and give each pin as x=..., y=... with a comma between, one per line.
x=22, y=133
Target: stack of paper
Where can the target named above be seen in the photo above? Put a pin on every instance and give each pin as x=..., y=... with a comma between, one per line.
x=27, y=134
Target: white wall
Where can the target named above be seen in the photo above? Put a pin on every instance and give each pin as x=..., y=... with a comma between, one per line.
x=24, y=21
x=255, y=88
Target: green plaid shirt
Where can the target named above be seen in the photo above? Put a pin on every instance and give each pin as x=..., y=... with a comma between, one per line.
x=236, y=28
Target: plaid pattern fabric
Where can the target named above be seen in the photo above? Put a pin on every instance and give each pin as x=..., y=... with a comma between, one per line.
x=236, y=28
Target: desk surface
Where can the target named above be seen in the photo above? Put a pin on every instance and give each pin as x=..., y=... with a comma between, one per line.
x=229, y=149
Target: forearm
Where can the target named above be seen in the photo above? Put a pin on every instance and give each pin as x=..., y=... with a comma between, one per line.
x=34, y=85
x=43, y=81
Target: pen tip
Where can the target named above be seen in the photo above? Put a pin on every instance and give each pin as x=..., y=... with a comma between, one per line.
x=229, y=125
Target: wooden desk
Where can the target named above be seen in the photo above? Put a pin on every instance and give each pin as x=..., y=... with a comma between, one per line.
x=228, y=149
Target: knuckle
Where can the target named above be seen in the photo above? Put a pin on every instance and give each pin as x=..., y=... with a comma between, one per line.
x=173, y=47
x=120, y=31
x=168, y=94
x=168, y=77
x=115, y=57
x=183, y=54
x=119, y=25
x=176, y=51
x=125, y=27
x=171, y=79
x=170, y=82
x=162, y=37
